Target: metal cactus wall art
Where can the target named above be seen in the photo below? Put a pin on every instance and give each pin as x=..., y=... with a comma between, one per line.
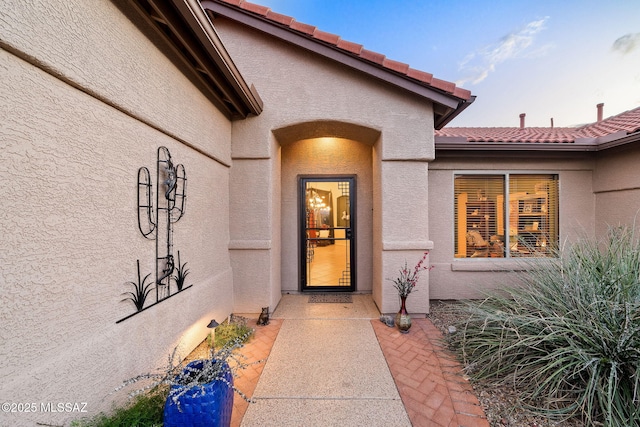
x=157, y=223
x=156, y=220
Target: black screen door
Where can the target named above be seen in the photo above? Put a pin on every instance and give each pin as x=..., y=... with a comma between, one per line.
x=327, y=237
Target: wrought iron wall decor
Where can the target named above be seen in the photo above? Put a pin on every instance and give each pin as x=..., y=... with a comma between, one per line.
x=155, y=222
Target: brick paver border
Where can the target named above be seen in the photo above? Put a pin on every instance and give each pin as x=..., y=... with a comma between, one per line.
x=429, y=379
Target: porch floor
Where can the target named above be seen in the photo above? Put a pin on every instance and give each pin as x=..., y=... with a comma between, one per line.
x=336, y=364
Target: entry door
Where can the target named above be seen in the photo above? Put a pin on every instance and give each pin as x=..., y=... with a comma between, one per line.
x=327, y=233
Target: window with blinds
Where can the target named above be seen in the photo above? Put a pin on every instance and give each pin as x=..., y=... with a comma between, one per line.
x=505, y=215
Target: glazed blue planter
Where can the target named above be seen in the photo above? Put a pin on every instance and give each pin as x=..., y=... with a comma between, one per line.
x=211, y=408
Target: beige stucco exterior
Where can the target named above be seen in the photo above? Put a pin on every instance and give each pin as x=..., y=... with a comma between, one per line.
x=87, y=99
x=617, y=188
x=381, y=135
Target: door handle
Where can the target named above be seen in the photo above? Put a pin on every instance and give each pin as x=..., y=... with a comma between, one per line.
x=348, y=233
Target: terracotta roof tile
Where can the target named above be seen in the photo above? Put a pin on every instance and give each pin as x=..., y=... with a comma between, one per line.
x=278, y=17
x=462, y=93
x=420, y=77
x=303, y=28
x=350, y=46
x=400, y=67
x=255, y=8
x=443, y=85
x=627, y=122
x=501, y=134
x=326, y=37
x=372, y=56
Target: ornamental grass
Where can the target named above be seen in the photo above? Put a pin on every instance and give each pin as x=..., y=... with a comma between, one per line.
x=567, y=338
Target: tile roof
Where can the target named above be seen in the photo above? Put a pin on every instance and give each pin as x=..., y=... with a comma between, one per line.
x=503, y=134
x=625, y=123
x=354, y=49
x=628, y=122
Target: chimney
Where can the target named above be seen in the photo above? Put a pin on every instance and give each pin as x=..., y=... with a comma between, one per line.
x=599, y=107
x=522, y=120
x=551, y=122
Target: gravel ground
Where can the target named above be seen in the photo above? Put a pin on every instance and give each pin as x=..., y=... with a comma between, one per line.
x=500, y=403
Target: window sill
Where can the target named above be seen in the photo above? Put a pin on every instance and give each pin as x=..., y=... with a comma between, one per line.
x=496, y=264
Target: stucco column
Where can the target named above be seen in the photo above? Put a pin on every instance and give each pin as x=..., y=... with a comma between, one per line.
x=404, y=230
x=254, y=203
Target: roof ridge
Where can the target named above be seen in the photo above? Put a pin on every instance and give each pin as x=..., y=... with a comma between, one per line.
x=351, y=48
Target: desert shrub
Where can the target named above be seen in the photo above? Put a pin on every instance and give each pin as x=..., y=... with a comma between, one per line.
x=567, y=337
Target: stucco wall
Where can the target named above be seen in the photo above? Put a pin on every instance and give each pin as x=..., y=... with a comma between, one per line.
x=617, y=187
x=86, y=100
x=306, y=96
x=469, y=278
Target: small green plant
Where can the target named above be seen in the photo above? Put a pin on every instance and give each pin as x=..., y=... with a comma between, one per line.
x=139, y=296
x=181, y=274
x=235, y=328
x=144, y=411
x=568, y=339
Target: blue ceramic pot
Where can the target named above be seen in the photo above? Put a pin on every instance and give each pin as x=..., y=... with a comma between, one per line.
x=211, y=408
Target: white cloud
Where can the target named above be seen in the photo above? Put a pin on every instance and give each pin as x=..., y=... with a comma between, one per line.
x=627, y=43
x=478, y=65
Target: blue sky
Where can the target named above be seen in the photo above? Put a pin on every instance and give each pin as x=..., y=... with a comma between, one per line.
x=548, y=59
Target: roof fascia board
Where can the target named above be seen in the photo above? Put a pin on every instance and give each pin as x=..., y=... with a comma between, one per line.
x=607, y=144
x=316, y=46
x=152, y=18
x=170, y=23
x=199, y=22
x=452, y=114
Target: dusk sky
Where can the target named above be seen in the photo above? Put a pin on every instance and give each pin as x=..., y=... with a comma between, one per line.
x=548, y=59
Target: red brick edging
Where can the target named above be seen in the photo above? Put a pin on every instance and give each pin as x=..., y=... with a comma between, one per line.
x=429, y=379
x=258, y=348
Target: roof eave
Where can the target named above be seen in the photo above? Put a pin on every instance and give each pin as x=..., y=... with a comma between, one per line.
x=453, y=104
x=444, y=119
x=607, y=143
x=187, y=29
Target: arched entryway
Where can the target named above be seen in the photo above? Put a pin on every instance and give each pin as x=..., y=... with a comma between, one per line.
x=326, y=152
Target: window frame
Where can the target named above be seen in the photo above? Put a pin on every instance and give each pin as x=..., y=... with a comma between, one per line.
x=506, y=173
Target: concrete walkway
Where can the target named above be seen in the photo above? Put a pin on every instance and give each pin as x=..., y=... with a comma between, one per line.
x=336, y=364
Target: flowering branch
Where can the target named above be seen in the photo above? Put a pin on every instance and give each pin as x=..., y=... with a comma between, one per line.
x=408, y=279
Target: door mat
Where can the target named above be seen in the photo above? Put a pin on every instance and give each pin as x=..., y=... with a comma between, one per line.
x=330, y=298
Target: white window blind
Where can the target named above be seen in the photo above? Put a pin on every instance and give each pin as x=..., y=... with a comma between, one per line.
x=533, y=215
x=493, y=222
x=479, y=215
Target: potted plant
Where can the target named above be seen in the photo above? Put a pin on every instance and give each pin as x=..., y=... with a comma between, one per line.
x=405, y=284
x=200, y=393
